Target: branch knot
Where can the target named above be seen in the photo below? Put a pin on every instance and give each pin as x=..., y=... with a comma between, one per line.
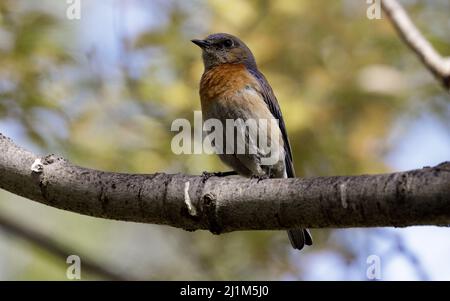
x=209, y=201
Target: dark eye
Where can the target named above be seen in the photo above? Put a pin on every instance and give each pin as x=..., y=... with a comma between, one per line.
x=227, y=43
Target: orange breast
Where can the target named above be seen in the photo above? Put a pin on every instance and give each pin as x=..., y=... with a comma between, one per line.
x=223, y=81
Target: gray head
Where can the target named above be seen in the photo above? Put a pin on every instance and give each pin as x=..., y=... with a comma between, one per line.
x=223, y=48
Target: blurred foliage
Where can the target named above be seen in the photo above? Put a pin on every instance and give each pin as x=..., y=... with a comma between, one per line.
x=103, y=92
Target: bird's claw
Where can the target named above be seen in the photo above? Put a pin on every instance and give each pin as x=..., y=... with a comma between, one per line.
x=206, y=175
x=260, y=177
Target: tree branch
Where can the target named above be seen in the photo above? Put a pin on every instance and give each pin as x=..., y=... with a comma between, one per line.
x=438, y=65
x=55, y=248
x=417, y=197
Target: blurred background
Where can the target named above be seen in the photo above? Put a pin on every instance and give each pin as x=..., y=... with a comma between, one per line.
x=103, y=90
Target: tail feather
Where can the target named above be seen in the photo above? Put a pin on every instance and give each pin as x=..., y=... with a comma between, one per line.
x=299, y=238
x=308, y=237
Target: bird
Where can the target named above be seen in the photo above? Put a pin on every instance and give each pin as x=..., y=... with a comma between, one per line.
x=232, y=87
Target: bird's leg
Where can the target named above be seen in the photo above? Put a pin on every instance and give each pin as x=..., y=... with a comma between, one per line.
x=206, y=175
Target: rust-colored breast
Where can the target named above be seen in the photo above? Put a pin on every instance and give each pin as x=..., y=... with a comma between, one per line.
x=223, y=82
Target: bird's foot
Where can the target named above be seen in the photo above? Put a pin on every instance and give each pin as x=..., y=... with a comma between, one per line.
x=260, y=177
x=206, y=175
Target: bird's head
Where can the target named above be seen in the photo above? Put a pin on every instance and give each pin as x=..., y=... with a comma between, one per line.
x=223, y=48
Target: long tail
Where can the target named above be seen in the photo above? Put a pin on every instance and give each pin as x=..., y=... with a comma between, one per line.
x=299, y=238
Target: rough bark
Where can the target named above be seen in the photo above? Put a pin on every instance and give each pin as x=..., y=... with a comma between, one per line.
x=416, y=197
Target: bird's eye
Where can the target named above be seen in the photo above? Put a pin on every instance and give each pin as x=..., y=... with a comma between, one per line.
x=228, y=43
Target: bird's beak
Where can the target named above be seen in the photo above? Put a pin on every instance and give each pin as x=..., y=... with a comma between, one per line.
x=201, y=43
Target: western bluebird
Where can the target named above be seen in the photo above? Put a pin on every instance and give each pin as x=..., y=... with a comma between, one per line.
x=233, y=88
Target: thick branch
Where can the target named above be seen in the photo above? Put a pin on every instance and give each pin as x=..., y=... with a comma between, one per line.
x=417, y=197
x=438, y=65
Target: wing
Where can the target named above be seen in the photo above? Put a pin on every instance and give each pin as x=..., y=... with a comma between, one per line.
x=298, y=237
x=272, y=104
